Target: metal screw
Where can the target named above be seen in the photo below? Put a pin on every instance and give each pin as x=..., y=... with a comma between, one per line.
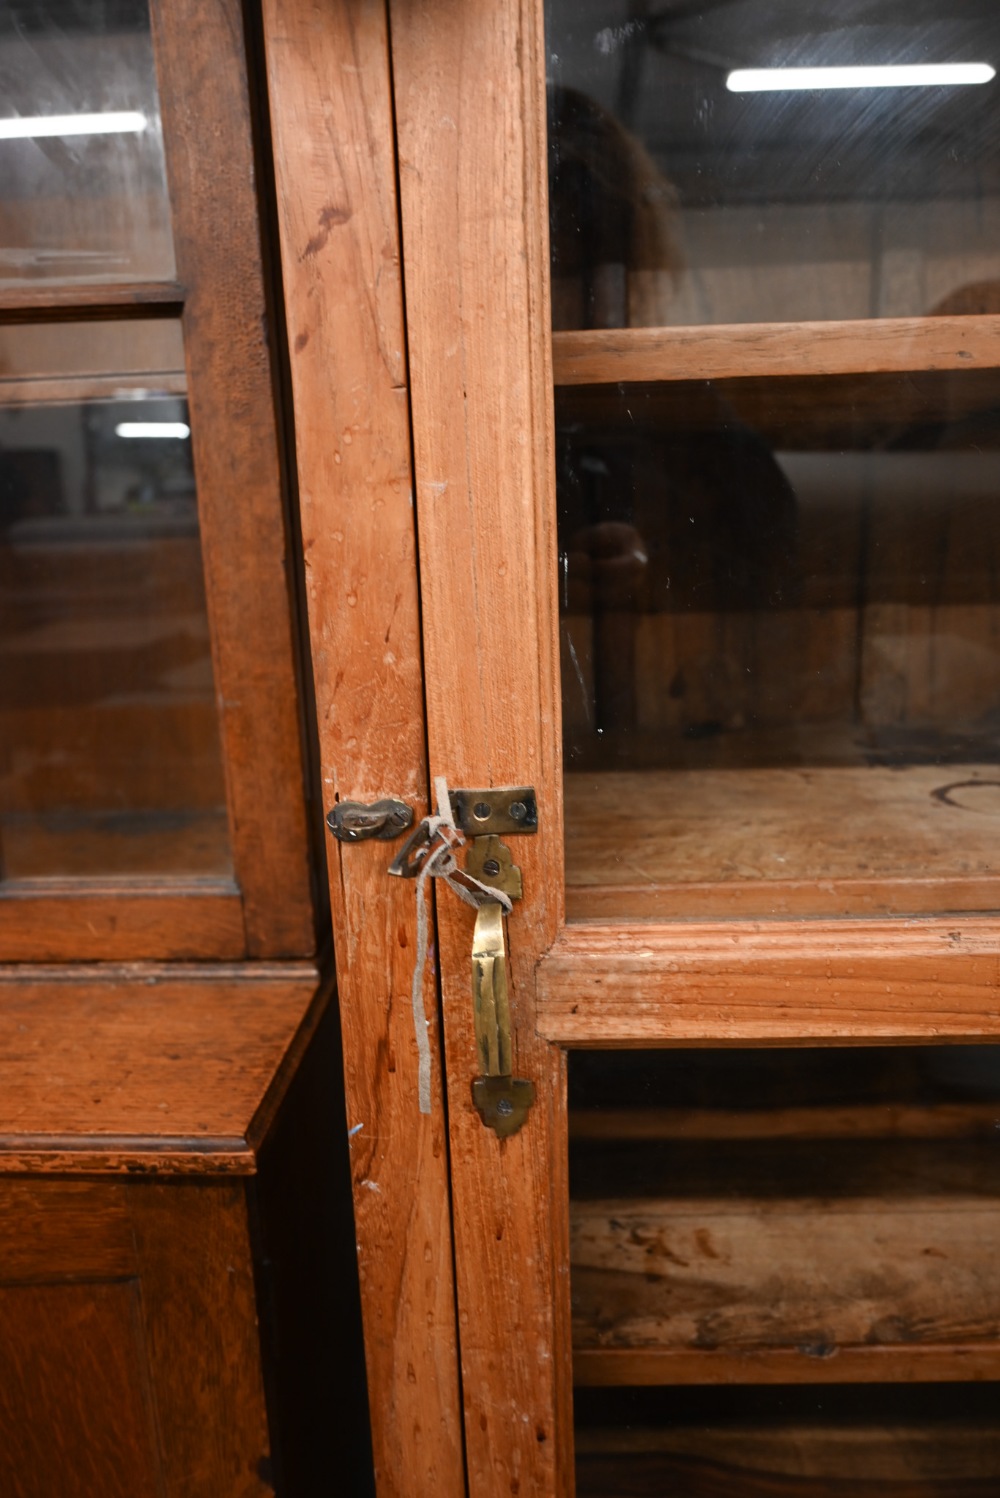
x=401, y=816
x=491, y=867
x=505, y=1107
x=482, y=810
x=517, y=810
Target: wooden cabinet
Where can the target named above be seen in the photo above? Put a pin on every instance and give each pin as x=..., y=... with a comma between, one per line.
x=753, y=973
x=177, y=1288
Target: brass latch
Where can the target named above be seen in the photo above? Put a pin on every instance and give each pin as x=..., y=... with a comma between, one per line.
x=501, y=1099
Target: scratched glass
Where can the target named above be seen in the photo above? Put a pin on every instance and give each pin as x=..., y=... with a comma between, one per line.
x=110, y=760
x=83, y=189
x=679, y=201
x=745, y=1224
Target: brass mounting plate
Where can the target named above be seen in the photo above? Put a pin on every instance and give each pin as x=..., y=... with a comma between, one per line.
x=502, y=1103
x=500, y=810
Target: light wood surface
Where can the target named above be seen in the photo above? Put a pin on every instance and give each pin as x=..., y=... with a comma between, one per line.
x=331, y=111
x=142, y=1069
x=470, y=113
x=742, y=350
x=723, y=1275
x=771, y=982
x=824, y=840
x=123, y=920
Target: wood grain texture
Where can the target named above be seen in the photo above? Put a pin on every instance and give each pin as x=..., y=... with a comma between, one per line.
x=809, y=839
x=48, y=920
x=208, y=133
x=605, y=356
x=772, y=982
x=331, y=111
x=152, y=1071
x=75, y=1400
x=199, y=1313
x=716, y=1275
x=64, y=1230
x=470, y=111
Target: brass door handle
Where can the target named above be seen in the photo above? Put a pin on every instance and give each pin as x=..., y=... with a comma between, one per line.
x=503, y=1100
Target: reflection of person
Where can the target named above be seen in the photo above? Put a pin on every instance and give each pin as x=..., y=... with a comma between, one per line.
x=693, y=515
x=613, y=233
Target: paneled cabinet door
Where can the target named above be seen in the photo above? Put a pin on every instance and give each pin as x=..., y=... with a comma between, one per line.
x=709, y=568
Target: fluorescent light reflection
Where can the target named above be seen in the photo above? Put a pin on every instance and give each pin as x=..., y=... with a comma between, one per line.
x=31, y=127
x=152, y=429
x=894, y=75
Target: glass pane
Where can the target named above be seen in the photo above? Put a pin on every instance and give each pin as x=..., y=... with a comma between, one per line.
x=105, y=354
x=109, y=738
x=677, y=200
x=781, y=644
x=746, y=1223
x=83, y=191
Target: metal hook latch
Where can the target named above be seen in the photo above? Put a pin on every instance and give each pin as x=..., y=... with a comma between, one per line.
x=501, y=1099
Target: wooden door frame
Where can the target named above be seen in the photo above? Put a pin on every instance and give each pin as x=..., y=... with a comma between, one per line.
x=330, y=98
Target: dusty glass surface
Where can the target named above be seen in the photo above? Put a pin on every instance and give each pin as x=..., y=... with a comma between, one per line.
x=679, y=201
x=781, y=644
x=109, y=738
x=745, y=1224
x=83, y=191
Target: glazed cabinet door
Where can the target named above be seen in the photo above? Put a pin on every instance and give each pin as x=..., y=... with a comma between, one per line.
x=699, y=357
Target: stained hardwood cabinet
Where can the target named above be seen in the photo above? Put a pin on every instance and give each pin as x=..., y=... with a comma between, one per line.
x=177, y=1289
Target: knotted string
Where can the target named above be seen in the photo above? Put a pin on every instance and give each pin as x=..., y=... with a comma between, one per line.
x=440, y=863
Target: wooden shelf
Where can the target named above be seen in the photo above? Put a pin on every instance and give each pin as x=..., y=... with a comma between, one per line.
x=785, y=1261
x=771, y=841
x=147, y=1069
x=745, y=350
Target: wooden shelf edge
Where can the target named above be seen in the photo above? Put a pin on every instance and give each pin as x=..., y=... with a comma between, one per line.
x=41, y=302
x=93, y=1155
x=918, y=1363
x=751, y=350
x=772, y=982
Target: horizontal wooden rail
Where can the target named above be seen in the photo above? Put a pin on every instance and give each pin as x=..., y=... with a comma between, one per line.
x=772, y=982
x=921, y=1363
x=50, y=920
x=40, y=302
x=744, y=350
x=866, y=1121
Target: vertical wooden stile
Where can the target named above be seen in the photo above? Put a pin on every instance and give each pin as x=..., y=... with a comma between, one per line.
x=331, y=113
x=201, y=66
x=470, y=111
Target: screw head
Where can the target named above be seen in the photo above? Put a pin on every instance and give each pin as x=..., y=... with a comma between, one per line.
x=505, y=1107
x=482, y=810
x=491, y=867
x=517, y=810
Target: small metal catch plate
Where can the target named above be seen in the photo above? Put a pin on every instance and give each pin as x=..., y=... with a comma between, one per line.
x=502, y=1103
x=500, y=810
x=489, y=860
x=354, y=821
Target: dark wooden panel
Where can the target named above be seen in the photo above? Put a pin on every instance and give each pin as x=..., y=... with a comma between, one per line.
x=201, y=1327
x=75, y=1410
x=64, y=1230
x=201, y=64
